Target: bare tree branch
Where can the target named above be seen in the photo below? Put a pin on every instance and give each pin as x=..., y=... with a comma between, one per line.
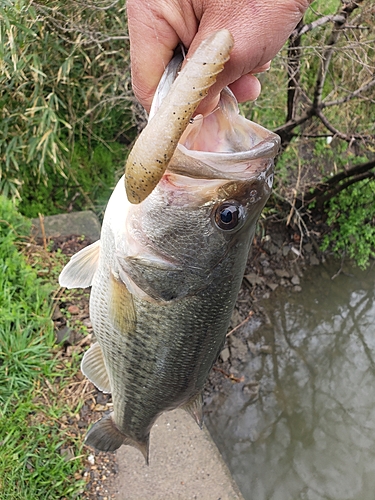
x=301, y=30
x=332, y=186
x=293, y=67
x=352, y=95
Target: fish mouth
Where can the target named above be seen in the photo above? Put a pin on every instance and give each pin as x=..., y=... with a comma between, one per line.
x=225, y=145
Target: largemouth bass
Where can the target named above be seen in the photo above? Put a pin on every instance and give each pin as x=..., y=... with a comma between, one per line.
x=166, y=272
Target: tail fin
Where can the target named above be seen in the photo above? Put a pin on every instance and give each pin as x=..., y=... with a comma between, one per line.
x=105, y=436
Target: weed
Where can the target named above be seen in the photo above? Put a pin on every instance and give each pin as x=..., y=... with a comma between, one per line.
x=352, y=217
x=31, y=437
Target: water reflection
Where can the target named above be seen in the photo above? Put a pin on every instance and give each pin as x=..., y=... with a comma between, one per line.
x=311, y=433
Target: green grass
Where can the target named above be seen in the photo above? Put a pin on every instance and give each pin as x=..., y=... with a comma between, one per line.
x=352, y=217
x=31, y=414
x=87, y=185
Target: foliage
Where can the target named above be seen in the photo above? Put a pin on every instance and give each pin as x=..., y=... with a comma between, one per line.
x=48, y=103
x=88, y=184
x=30, y=435
x=352, y=216
x=319, y=97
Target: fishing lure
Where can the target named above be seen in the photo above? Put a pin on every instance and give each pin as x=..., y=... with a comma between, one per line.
x=145, y=165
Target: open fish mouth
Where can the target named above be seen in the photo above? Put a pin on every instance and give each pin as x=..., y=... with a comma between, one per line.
x=225, y=145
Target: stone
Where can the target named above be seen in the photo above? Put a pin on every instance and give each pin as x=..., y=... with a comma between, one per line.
x=314, y=261
x=296, y=289
x=84, y=223
x=265, y=349
x=63, y=334
x=57, y=314
x=238, y=348
x=73, y=309
x=282, y=273
x=254, y=279
x=273, y=286
x=252, y=347
x=268, y=271
x=225, y=354
x=295, y=280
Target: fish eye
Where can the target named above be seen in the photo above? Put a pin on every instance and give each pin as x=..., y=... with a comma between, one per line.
x=228, y=215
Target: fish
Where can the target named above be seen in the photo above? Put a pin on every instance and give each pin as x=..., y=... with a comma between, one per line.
x=166, y=271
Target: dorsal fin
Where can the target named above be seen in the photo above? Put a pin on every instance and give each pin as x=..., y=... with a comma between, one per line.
x=80, y=270
x=93, y=367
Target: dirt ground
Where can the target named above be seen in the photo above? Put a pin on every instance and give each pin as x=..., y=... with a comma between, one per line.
x=277, y=259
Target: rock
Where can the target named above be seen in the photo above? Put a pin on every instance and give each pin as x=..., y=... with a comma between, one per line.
x=285, y=251
x=273, y=286
x=296, y=289
x=225, y=354
x=87, y=323
x=314, y=261
x=67, y=453
x=282, y=273
x=57, y=314
x=63, y=335
x=267, y=271
x=84, y=223
x=265, y=263
x=252, y=347
x=254, y=279
x=295, y=280
x=73, y=309
x=238, y=348
x=273, y=249
x=265, y=349
x=307, y=248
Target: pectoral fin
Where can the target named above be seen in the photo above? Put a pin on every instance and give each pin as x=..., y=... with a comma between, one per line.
x=93, y=367
x=121, y=307
x=80, y=270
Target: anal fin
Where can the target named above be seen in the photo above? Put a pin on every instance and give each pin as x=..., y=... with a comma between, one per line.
x=93, y=367
x=105, y=436
x=195, y=408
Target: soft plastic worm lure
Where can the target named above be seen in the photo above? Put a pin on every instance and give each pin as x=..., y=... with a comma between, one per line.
x=155, y=146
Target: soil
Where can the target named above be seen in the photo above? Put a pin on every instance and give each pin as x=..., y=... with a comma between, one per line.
x=277, y=259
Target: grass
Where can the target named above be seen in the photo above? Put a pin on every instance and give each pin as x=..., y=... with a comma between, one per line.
x=33, y=380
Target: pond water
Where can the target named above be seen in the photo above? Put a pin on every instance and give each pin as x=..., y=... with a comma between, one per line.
x=310, y=432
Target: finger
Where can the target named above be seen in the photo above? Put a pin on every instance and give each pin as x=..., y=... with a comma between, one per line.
x=261, y=69
x=153, y=39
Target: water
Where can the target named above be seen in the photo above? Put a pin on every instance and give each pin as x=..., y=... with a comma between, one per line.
x=310, y=434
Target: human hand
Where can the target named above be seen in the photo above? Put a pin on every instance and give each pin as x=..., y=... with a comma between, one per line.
x=259, y=28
